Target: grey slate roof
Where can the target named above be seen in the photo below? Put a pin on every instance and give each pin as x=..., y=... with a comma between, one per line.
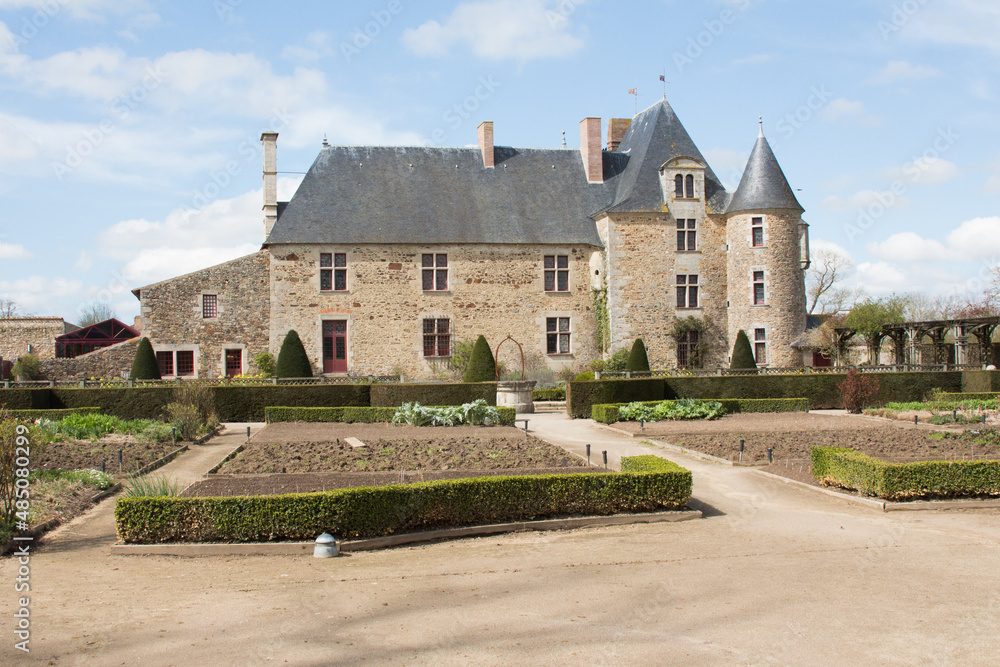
x=365, y=194
x=655, y=136
x=763, y=184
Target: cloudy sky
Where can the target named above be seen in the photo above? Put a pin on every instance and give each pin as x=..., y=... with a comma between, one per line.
x=129, y=129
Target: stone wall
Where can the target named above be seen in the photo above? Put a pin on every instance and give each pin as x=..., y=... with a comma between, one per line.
x=37, y=335
x=642, y=267
x=172, y=313
x=495, y=291
x=114, y=362
x=783, y=316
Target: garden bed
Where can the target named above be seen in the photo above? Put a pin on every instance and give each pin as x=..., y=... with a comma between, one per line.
x=86, y=454
x=322, y=448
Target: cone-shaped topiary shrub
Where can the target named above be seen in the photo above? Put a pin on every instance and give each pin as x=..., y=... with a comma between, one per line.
x=742, y=354
x=482, y=367
x=637, y=359
x=292, y=359
x=144, y=366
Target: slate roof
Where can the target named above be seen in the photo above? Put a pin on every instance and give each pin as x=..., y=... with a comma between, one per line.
x=379, y=194
x=369, y=194
x=763, y=184
x=655, y=136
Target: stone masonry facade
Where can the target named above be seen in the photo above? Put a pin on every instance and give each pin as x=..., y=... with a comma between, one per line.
x=34, y=335
x=108, y=363
x=494, y=291
x=177, y=319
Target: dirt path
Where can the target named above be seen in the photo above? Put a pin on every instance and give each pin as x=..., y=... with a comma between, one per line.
x=773, y=574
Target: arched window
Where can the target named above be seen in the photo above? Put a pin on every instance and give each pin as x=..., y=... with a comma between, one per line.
x=689, y=186
x=678, y=186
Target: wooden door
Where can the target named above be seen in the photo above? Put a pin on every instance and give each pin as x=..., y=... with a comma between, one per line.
x=335, y=346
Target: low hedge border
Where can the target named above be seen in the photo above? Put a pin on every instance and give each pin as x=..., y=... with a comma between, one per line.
x=607, y=413
x=353, y=415
x=905, y=481
x=548, y=395
x=53, y=414
x=366, y=512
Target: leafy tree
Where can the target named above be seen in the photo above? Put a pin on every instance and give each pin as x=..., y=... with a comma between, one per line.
x=144, y=366
x=99, y=311
x=868, y=318
x=293, y=362
x=616, y=362
x=637, y=359
x=482, y=367
x=743, y=358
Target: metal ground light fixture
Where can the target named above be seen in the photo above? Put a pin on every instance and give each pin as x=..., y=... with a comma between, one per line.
x=326, y=546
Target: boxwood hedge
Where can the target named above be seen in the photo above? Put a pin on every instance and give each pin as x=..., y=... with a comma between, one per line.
x=360, y=415
x=53, y=415
x=365, y=512
x=608, y=413
x=247, y=403
x=905, y=481
x=394, y=395
x=548, y=395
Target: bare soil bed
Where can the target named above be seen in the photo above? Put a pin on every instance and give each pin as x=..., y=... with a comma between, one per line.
x=85, y=454
x=322, y=448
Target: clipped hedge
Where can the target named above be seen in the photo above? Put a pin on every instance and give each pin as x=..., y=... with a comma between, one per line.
x=548, y=395
x=608, y=413
x=981, y=381
x=247, y=404
x=905, y=481
x=971, y=396
x=394, y=395
x=359, y=415
x=53, y=415
x=365, y=512
x=581, y=395
x=126, y=403
x=25, y=399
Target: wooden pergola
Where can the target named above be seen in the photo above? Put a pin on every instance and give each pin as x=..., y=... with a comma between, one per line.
x=973, y=341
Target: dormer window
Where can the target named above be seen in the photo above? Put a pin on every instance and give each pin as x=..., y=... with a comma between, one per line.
x=678, y=186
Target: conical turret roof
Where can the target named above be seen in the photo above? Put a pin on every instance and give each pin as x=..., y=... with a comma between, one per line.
x=763, y=184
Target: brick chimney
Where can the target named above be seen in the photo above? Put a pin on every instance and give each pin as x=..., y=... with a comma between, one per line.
x=590, y=149
x=270, y=141
x=616, y=132
x=485, y=133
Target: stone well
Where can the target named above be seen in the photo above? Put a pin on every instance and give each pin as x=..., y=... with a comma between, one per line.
x=516, y=395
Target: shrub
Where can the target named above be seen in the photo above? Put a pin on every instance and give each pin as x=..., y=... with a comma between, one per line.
x=609, y=413
x=637, y=360
x=394, y=395
x=685, y=408
x=597, y=365
x=144, y=366
x=186, y=418
x=53, y=415
x=247, y=404
x=293, y=362
x=858, y=391
x=265, y=363
x=548, y=395
x=585, y=377
x=150, y=487
x=477, y=413
x=580, y=396
x=616, y=362
x=365, y=512
x=742, y=353
x=482, y=367
x=27, y=366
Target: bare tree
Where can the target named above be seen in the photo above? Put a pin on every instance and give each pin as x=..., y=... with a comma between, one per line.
x=98, y=311
x=8, y=308
x=824, y=288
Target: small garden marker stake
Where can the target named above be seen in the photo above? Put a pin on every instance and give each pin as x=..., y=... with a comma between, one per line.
x=605, y=454
x=742, y=445
x=916, y=419
x=119, y=460
x=103, y=461
x=588, y=454
x=248, y=434
x=770, y=455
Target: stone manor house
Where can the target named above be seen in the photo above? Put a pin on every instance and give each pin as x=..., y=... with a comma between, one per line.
x=385, y=257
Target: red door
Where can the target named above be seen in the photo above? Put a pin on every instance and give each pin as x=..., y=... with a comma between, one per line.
x=335, y=346
x=234, y=363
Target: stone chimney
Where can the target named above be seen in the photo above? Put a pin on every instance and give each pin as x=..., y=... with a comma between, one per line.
x=137, y=324
x=590, y=149
x=486, y=143
x=270, y=141
x=616, y=132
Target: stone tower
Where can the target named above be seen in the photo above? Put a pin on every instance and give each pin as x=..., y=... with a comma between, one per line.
x=768, y=254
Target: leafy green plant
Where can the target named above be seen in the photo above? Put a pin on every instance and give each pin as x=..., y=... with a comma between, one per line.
x=144, y=366
x=27, y=365
x=684, y=408
x=185, y=418
x=617, y=362
x=477, y=412
x=265, y=363
x=293, y=362
x=93, y=478
x=150, y=487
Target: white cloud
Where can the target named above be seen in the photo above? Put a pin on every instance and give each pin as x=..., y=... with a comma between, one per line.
x=83, y=262
x=35, y=294
x=882, y=278
x=968, y=23
x=973, y=240
x=851, y=110
x=520, y=30
x=317, y=45
x=978, y=238
x=866, y=198
x=13, y=251
x=924, y=171
x=900, y=70
x=81, y=9
x=909, y=247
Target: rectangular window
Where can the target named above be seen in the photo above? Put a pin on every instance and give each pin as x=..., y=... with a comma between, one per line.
x=435, y=272
x=185, y=362
x=333, y=271
x=758, y=288
x=557, y=335
x=757, y=231
x=556, y=273
x=687, y=234
x=209, y=306
x=760, y=346
x=687, y=350
x=437, y=338
x=234, y=363
x=165, y=360
x=687, y=291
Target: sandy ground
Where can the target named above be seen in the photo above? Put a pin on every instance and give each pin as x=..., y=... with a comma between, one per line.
x=772, y=575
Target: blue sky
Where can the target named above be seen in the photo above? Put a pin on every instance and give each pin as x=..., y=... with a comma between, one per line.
x=129, y=129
